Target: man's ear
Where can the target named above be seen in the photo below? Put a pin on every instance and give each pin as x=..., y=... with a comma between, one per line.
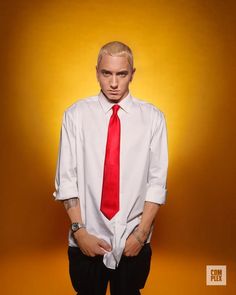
x=97, y=72
x=132, y=75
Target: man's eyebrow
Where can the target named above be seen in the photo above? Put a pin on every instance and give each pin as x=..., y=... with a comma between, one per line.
x=123, y=72
x=105, y=71
x=120, y=72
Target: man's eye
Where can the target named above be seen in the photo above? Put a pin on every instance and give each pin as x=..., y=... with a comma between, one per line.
x=105, y=74
x=122, y=75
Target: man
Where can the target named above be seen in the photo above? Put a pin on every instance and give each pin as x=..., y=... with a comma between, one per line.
x=111, y=177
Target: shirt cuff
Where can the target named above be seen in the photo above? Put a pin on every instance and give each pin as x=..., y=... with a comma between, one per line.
x=64, y=193
x=156, y=194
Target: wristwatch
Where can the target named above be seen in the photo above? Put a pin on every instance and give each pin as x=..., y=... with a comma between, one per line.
x=76, y=226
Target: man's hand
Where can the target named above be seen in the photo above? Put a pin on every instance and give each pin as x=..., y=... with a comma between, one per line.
x=89, y=244
x=132, y=246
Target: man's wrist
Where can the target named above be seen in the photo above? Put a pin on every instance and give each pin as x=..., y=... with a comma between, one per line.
x=75, y=226
x=80, y=233
x=143, y=233
x=137, y=237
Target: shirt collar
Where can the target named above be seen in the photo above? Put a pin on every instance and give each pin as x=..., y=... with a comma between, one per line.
x=125, y=103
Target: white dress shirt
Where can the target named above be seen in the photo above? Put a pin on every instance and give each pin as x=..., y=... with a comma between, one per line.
x=143, y=165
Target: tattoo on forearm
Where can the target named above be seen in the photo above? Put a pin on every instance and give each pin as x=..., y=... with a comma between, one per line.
x=70, y=203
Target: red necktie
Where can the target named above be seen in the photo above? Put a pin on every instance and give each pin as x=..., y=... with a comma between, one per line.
x=111, y=173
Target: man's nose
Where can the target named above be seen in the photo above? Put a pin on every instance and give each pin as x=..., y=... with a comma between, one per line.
x=114, y=82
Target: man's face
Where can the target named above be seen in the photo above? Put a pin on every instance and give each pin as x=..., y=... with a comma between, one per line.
x=114, y=74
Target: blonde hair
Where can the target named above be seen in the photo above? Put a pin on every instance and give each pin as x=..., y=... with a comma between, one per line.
x=116, y=48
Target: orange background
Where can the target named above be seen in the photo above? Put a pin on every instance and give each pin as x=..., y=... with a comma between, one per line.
x=184, y=52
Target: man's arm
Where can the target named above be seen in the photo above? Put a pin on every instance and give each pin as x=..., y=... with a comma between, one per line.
x=148, y=217
x=88, y=244
x=136, y=240
x=67, y=189
x=156, y=185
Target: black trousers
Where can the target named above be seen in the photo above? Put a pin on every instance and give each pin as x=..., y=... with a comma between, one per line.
x=89, y=275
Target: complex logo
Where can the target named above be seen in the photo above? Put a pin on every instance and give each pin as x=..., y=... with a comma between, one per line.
x=216, y=275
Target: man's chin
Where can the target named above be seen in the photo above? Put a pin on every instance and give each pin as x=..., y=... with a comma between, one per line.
x=113, y=97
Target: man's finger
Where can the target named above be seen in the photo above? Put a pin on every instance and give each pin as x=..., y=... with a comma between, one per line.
x=104, y=245
x=99, y=251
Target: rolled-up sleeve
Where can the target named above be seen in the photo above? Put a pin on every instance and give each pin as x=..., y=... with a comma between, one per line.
x=66, y=186
x=158, y=161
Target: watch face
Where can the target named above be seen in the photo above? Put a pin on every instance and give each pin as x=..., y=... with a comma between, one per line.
x=75, y=226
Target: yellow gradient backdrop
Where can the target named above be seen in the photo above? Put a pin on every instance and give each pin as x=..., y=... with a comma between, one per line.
x=185, y=58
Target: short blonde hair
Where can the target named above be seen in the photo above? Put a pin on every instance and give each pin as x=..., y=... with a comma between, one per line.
x=116, y=48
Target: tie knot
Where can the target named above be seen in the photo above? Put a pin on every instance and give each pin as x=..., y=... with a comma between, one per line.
x=115, y=108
